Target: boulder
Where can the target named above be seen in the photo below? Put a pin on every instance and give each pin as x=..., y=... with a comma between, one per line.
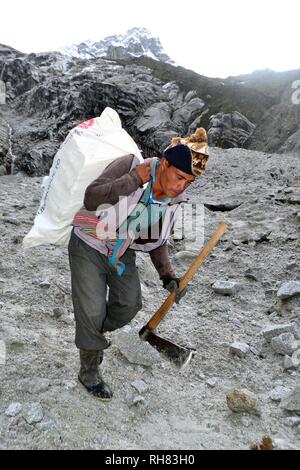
x=243, y=401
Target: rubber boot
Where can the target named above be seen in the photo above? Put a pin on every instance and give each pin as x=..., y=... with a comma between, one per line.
x=89, y=375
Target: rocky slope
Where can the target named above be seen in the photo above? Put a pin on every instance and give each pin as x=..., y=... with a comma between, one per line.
x=49, y=93
x=155, y=406
x=278, y=130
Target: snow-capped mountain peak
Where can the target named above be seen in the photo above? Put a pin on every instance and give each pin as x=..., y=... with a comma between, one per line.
x=135, y=42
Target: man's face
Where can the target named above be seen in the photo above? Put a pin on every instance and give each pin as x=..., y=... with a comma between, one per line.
x=174, y=181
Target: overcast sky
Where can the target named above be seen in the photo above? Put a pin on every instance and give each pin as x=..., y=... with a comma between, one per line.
x=213, y=37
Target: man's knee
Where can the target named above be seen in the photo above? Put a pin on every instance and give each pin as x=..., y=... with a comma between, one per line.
x=121, y=316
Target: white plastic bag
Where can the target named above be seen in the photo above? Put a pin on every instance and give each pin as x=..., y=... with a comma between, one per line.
x=87, y=150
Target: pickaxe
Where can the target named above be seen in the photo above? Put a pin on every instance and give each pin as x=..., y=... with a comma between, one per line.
x=179, y=355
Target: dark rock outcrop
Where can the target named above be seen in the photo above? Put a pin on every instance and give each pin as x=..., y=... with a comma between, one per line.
x=278, y=130
x=4, y=142
x=229, y=130
x=50, y=93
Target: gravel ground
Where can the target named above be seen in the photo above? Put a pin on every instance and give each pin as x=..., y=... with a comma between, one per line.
x=157, y=406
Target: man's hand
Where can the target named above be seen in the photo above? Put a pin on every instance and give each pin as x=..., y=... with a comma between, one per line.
x=144, y=172
x=172, y=284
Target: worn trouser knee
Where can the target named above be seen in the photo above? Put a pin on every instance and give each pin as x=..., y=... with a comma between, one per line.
x=121, y=317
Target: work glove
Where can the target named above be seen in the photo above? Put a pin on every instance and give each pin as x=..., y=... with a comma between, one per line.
x=172, y=284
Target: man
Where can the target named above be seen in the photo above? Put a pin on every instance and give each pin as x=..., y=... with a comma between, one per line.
x=101, y=255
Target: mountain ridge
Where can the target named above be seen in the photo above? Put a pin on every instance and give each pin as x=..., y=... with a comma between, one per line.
x=134, y=43
x=49, y=93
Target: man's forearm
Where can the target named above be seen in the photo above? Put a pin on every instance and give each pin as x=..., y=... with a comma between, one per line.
x=161, y=261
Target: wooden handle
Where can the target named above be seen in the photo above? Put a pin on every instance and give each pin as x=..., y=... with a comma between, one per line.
x=161, y=312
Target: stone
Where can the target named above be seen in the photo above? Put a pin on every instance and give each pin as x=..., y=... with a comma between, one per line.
x=288, y=289
x=185, y=257
x=272, y=331
x=33, y=413
x=156, y=115
x=69, y=384
x=278, y=393
x=2, y=352
x=212, y=382
x=291, y=266
x=239, y=349
x=138, y=400
x=18, y=240
x=135, y=350
x=254, y=274
x=296, y=329
x=46, y=425
x=254, y=350
x=225, y=287
x=284, y=344
x=37, y=385
x=237, y=323
x=242, y=400
x=14, y=409
x=3, y=171
x=66, y=319
x=45, y=284
x=229, y=129
x=140, y=386
x=28, y=427
x=292, y=421
x=59, y=312
x=292, y=401
x=11, y=220
x=292, y=362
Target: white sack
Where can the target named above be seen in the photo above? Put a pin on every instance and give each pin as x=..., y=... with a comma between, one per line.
x=87, y=150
